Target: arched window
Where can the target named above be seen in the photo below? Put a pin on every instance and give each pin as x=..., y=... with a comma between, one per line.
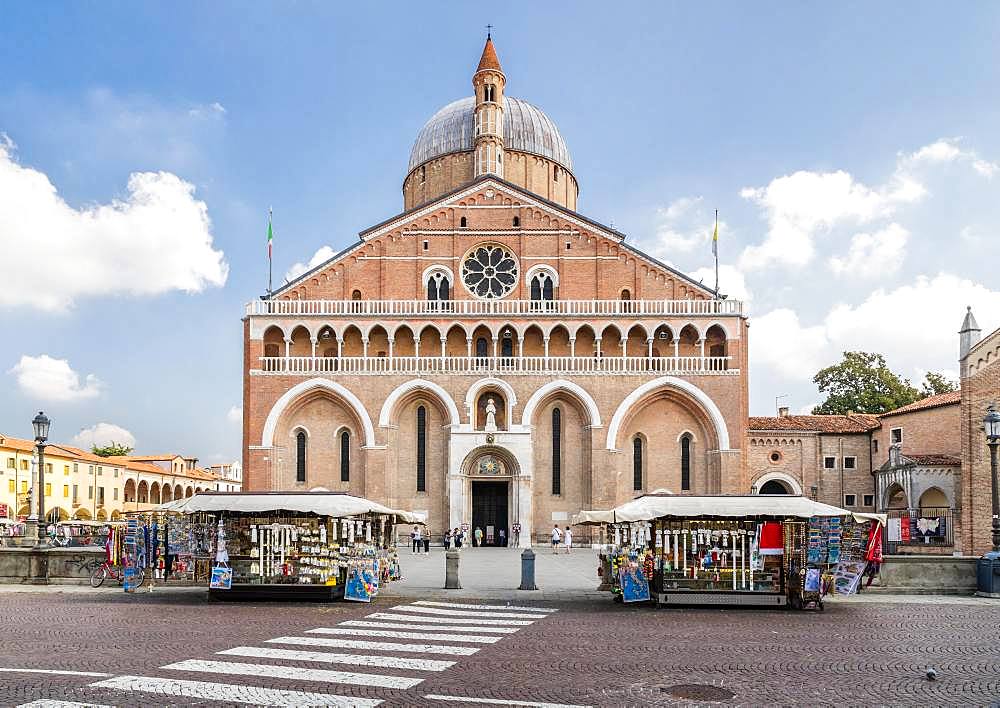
x=300, y=456
x=517, y=221
x=556, y=451
x=541, y=287
x=626, y=298
x=423, y=174
x=481, y=348
x=462, y=223
x=356, y=295
x=507, y=347
x=555, y=173
x=421, y=449
x=637, y=463
x=345, y=456
x=685, y=463
x=438, y=287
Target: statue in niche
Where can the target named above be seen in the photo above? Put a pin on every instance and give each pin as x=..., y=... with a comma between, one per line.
x=491, y=416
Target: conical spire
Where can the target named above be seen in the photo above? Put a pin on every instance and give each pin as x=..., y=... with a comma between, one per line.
x=969, y=324
x=489, y=59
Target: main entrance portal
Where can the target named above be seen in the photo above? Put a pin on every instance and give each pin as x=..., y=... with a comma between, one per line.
x=489, y=511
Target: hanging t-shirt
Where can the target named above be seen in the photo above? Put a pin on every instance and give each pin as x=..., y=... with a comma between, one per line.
x=771, y=543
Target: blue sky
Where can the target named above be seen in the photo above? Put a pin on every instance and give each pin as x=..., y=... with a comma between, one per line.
x=852, y=152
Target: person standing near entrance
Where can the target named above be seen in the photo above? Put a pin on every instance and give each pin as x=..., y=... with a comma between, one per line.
x=457, y=535
x=417, y=541
x=447, y=539
x=568, y=539
x=503, y=537
x=478, y=536
x=556, y=537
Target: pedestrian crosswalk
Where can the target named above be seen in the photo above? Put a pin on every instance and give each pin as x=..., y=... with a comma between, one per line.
x=392, y=650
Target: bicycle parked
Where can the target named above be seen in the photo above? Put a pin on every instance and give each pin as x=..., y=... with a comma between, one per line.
x=106, y=570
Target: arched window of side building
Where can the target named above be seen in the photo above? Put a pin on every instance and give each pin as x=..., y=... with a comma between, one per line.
x=421, y=449
x=345, y=456
x=637, y=471
x=685, y=463
x=556, y=451
x=300, y=456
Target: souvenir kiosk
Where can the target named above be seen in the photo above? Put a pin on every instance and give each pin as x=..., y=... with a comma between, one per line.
x=732, y=550
x=298, y=545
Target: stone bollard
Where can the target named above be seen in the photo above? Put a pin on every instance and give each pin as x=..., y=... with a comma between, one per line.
x=528, y=570
x=451, y=581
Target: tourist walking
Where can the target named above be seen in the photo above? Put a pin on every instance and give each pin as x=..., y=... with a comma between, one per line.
x=568, y=539
x=556, y=537
x=478, y=537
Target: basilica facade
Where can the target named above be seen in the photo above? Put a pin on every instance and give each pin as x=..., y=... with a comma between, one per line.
x=490, y=355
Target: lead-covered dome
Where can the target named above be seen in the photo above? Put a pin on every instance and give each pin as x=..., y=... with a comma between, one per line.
x=526, y=128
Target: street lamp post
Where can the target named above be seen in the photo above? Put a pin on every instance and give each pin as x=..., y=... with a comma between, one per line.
x=41, y=425
x=991, y=424
x=988, y=567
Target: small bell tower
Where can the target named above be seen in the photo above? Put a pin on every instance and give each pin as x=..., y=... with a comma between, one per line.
x=488, y=83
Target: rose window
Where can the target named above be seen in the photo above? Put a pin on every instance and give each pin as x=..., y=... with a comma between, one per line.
x=489, y=271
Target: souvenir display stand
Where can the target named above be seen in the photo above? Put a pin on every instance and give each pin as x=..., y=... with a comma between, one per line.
x=731, y=550
x=308, y=545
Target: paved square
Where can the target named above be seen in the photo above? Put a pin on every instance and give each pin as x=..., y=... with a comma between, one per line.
x=171, y=647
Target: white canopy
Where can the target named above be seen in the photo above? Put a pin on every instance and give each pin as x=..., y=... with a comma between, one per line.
x=319, y=503
x=649, y=507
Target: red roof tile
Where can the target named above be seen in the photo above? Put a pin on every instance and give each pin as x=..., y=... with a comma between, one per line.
x=936, y=460
x=855, y=423
x=489, y=59
x=942, y=399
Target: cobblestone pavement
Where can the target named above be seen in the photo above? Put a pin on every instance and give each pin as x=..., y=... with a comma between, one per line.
x=174, y=648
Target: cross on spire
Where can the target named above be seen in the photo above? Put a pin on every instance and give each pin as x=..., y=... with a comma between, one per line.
x=489, y=31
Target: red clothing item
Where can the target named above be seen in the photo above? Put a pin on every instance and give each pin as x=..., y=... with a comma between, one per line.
x=771, y=541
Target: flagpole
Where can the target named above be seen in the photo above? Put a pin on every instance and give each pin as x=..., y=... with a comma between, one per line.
x=715, y=249
x=270, y=212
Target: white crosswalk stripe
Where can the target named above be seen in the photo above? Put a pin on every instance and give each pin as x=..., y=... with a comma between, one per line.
x=428, y=627
x=448, y=620
x=61, y=704
x=293, y=673
x=499, y=702
x=376, y=646
x=391, y=662
x=465, y=613
x=229, y=693
x=512, y=608
x=389, y=634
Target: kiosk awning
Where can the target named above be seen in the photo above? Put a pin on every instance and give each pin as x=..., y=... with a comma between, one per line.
x=319, y=503
x=649, y=507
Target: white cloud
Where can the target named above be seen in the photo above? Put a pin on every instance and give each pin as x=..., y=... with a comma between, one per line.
x=51, y=379
x=321, y=256
x=873, y=255
x=156, y=240
x=801, y=206
x=914, y=326
x=732, y=283
x=103, y=434
x=235, y=414
x=683, y=226
x=947, y=150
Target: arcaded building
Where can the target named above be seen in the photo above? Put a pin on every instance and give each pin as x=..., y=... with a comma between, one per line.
x=490, y=355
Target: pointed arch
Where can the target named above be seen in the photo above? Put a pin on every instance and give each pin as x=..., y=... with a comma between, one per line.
x=385, y=415
x=679, y=385
x=574, y=389
x=271, y=424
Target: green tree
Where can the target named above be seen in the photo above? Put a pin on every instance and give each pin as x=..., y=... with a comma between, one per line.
x=936, y=383
x=862, y=383
x=112, y=449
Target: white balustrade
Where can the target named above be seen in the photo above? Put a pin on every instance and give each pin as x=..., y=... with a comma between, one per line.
x=357, y=365
x=483, y=308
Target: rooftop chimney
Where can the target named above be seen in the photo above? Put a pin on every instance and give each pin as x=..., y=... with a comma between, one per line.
x=783, y=412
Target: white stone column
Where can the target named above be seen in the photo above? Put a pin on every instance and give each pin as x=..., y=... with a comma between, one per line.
x=288, y=347
x=677, y=348
x=364, y=347
x=572, y=346
x=468, y=346
x=545, y=341
x=314, y=343
x=496, y=341
x=649, y=343
x=444, y=343
x=391, y=343
x=597, y=343
x=701, y=347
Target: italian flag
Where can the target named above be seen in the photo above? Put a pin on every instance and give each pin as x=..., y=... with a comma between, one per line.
x=270, y=235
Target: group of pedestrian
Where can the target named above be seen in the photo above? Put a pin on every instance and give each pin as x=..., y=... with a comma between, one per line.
x=564, y=537
x=454, y=538
x=419, y=541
